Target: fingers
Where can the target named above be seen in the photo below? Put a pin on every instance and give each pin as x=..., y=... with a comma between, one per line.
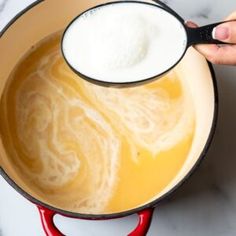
x=232, y=16
x=226, y=54
x=226, y=32
x=191, y=24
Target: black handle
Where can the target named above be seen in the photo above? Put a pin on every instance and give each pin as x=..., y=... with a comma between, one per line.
x=203, y=35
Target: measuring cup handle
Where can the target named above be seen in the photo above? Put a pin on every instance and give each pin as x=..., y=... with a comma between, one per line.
x=203, y=35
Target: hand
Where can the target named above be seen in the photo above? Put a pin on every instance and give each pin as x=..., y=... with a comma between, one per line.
x=226, y=54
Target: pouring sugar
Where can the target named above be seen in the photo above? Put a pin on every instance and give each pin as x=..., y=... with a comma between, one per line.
x=123, y=42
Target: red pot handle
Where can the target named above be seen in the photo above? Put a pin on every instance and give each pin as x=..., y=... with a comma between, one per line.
x=49, y=227
x=145, y=218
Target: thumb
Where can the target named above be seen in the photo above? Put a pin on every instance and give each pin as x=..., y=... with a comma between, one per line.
x=226, y=32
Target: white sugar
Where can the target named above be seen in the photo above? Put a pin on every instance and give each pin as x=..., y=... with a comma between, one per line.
x=124, y=42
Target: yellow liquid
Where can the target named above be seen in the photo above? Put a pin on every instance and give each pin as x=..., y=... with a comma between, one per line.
x=91, y=149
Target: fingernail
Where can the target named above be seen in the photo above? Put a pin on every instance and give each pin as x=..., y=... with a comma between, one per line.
x=220, y=33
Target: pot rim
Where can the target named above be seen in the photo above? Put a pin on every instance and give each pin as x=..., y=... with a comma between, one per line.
x=151, y=204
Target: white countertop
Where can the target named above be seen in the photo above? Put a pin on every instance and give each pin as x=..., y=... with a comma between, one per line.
x=204, y=206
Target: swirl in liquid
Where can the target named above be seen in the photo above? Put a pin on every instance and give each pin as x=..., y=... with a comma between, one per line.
x=91, y=149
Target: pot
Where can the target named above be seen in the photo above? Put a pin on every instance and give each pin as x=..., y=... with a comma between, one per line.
x=46, y=17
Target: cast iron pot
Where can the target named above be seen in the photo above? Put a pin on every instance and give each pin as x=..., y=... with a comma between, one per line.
x=46, y=17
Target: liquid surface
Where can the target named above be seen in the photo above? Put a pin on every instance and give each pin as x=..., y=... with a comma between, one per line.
x=124, y=42
x=91, y=149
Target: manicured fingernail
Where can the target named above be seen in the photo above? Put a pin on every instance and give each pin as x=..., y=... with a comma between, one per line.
x=220, y=33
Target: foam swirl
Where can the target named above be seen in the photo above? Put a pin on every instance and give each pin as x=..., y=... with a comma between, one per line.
x=70, y=136
x=54, y=120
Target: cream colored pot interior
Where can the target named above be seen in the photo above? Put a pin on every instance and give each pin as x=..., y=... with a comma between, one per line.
x=53, y=15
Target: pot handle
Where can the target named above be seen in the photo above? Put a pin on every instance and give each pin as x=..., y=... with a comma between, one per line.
x=46, y=215
x=49, y=227
x=145, y=219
